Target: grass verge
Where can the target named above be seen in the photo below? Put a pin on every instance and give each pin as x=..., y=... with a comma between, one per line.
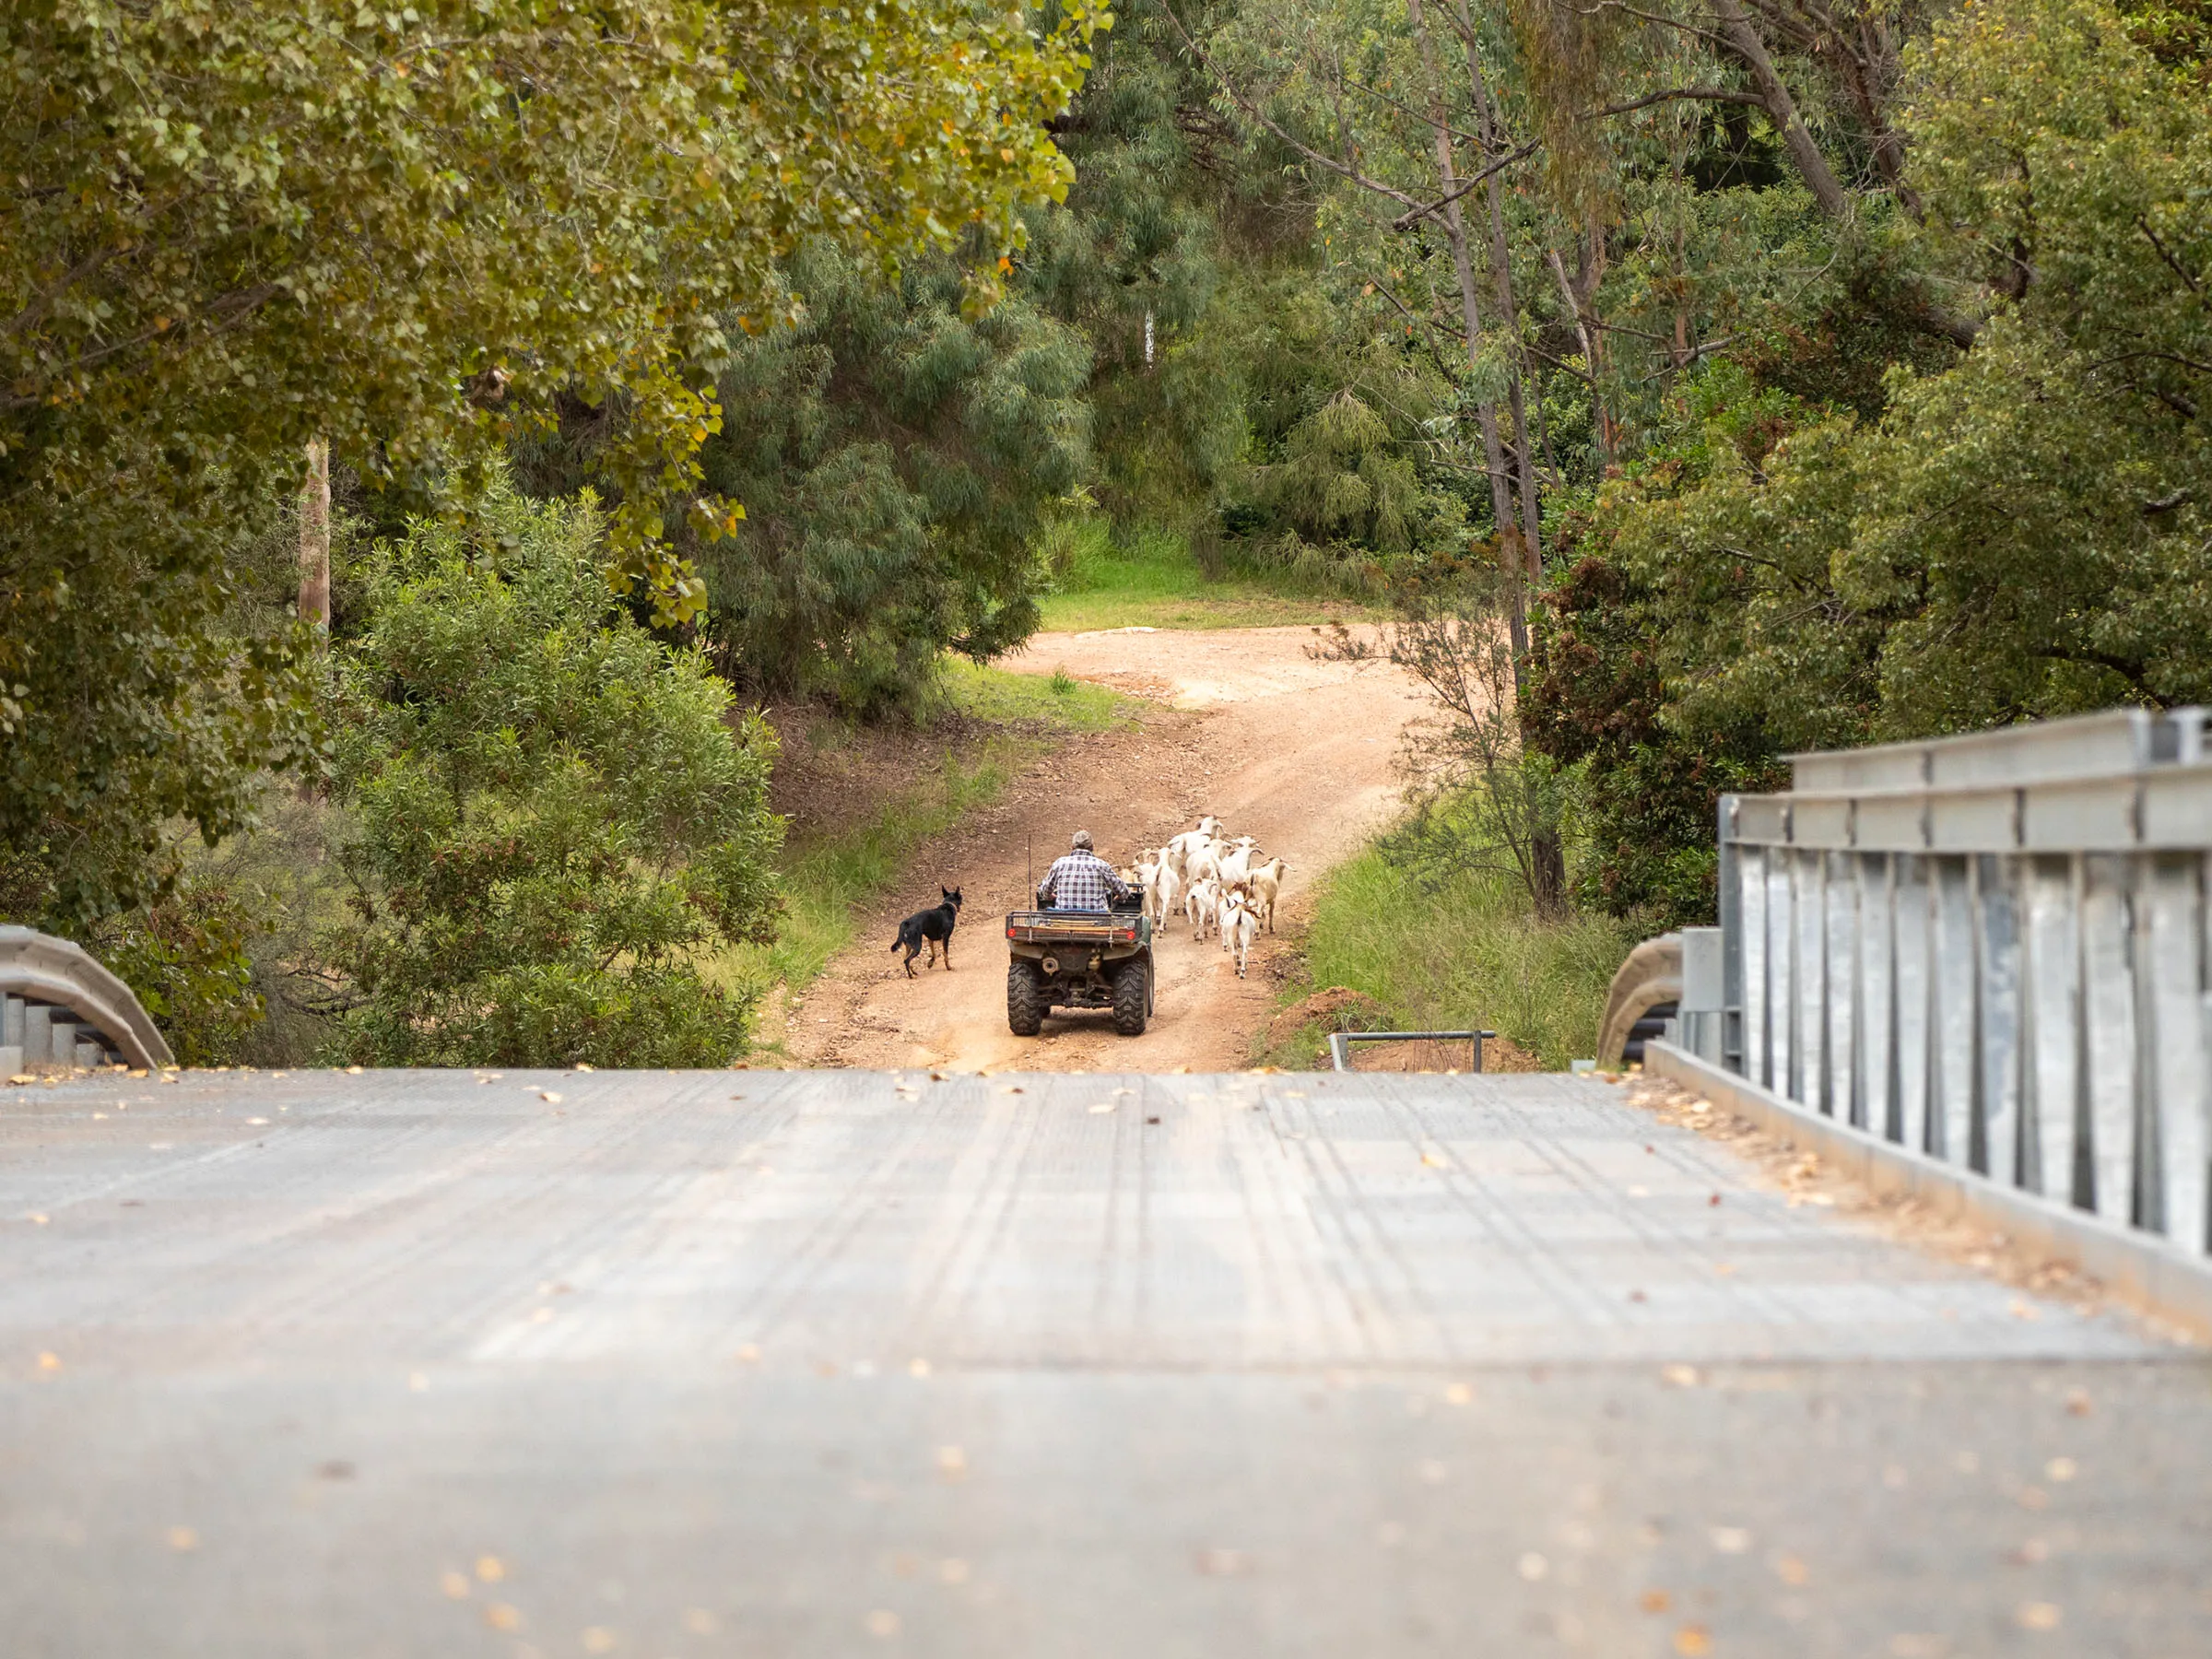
x=1149, y=579
x=1458, y=950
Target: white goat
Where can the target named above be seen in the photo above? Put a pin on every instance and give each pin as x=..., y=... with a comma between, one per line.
x=1234, y=864
x=1267, y=881
x=1239, y=926
x=1176, y=853
x=1200, y=904
x=1159, y=893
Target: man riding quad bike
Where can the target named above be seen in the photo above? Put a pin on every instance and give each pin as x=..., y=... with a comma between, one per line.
x=1086, y=945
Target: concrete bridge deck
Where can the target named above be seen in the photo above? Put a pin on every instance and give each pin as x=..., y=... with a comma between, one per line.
x=842, y=1363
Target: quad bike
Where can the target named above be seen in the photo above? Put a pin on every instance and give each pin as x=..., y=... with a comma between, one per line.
x=1078, y=959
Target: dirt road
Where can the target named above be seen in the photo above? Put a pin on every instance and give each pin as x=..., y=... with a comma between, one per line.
x=1246, y=725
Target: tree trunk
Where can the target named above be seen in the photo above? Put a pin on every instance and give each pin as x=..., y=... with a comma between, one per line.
x=1462, y=269
x=1585, y=331
x=314, y=538
x=1501, y=276
x=1744, y=39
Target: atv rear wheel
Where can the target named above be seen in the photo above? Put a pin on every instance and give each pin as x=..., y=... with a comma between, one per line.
x=1132, y=997
x=1025, y=998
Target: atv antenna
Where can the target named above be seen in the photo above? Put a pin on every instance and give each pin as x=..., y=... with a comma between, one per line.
x=1032, y=889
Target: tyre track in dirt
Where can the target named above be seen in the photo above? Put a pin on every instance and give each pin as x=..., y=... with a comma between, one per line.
x=1241, y=723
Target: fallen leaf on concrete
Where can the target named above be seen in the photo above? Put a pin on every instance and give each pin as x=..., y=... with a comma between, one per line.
x=353, y=1071
x=582, y=1067
x=1532, y=1566
x=917, y=1367
x=2033, y=1497
x=1459, y=1393
x=2078, y=1402
x=882, y=1622
x=700, y=1622
x=1655, y=1601
x=455, y=1585
x=1693, y=1642
x=50, y=1362
x=182, y=1538
x=952, y=1462
x=491, y=1569
x=598, y=1638
x=1790, y=1570
x=1730, y=1540
x=2024, y=1309
x=501, y=1616
x=1910, y=1644
x=38, y=1218
x=1221, y=1563
x=952, y=1570
x=748, y=1354
x=1102, y=1106
x=2032, y=1553
x=2042, y=1615
x=250, y=1123
x=549, y=1096
x=1678, y=1376
x=2061, y=1469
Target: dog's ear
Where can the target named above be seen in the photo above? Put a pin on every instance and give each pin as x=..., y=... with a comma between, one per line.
x=945, y=892
x=956, y=893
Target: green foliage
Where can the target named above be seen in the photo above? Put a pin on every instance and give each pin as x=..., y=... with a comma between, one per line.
x=240, y=230
x=557, y=815
x=140, y=683
x=895, y=457
x=1645, y=804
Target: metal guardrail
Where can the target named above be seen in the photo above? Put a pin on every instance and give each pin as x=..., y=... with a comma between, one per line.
x=1990, y=950
x=1340, y=1044
x=61, y=1010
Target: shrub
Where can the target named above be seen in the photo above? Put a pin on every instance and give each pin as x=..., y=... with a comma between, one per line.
x=555, y=813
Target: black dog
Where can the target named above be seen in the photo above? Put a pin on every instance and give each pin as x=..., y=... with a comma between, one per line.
x=933, y=925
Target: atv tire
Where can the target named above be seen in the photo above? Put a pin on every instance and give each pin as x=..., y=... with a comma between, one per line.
x=1132, y=997
x=1025, y=998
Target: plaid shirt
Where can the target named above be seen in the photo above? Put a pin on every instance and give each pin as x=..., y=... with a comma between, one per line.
x=1081, y=881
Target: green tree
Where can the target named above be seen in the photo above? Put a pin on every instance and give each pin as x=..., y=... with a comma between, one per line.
x=895, y=456
x=558, y=817
x=226, y=231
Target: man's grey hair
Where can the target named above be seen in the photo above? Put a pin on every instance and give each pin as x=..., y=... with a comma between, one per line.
x=1082, y=839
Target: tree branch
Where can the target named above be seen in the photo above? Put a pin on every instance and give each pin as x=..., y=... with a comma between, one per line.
x=1701, y=94
x=1405, y=220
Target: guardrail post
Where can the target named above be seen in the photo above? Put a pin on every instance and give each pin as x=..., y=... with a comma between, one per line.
x=1730, y=908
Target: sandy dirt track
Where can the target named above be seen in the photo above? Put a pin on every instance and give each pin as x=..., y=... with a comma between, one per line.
x=1246, y=725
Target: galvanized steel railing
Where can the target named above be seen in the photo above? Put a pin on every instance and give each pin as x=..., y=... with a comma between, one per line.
x=1991, y=949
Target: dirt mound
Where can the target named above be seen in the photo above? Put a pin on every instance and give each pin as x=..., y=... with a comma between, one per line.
x=1339, y=1008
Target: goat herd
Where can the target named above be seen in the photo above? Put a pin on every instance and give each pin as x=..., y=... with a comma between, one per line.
x=1223, y=885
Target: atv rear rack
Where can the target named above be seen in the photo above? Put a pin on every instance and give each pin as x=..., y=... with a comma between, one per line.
x=1087, y=927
